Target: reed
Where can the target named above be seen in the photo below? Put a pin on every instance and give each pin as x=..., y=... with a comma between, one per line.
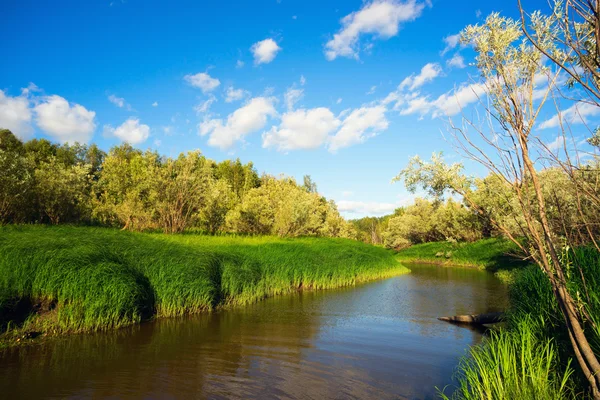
x=73, y=279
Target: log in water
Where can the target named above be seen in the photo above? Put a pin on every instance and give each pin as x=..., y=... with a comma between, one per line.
x=479, y=319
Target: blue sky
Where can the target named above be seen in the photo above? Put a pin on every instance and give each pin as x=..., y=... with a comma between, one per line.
x=345, y=91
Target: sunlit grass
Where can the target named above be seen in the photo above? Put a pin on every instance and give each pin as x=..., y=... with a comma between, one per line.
x=94, y=278
x=514, y=364
x=491, y=254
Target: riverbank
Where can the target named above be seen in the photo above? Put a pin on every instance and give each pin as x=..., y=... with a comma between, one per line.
x=55, y=280
x=497, y=255
x=532, y=357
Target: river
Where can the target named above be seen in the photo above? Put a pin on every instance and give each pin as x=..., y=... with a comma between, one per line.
x=376, y=340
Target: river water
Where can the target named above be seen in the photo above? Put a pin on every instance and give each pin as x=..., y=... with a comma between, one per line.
x=377, y=340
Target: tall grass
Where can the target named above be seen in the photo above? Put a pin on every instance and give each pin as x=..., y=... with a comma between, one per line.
x=492, y=254
x=514, y=364
x=531, y=358
x=85, y=279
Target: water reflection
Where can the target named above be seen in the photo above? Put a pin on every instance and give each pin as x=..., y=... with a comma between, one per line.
x=378, y=340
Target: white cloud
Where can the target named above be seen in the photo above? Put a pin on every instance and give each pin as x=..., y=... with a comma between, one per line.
x=418, y=105
x=264, y=51
x=203, y=81
x=301, y=129
x=448, y=104
x=155, y=104
x=243, y=121
x=15, y=115
x=451, y=42
x=338, y=101
x=302, y=80
x=205, y=105
x=119, y=102
x=372, y=90
x=365, y=208
x=556, y=144
x=292, y=96
x=576, y=114
x=453, y=102
x=358, y=126
x=429, y=72
x=130, y=131
x=235, y=94
x=64, y=122
x=457, y=61
x=239, y=64
x=380, y=18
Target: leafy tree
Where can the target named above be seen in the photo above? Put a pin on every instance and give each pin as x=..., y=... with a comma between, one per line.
x=61, y=191
x=16, y=179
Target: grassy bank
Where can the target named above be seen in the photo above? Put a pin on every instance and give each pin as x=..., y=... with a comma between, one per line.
x=492, y=254
x=73, y=279
x=532, y=357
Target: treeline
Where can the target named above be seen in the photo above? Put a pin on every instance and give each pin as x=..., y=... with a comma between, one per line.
x=572, y=212
x=43, y=182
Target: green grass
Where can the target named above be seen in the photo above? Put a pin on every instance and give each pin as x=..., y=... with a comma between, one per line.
x=532, y=357
x=72, y=279
x=492, y=254
x=514, y=364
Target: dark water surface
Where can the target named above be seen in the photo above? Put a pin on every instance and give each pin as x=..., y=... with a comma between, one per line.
x=377, y=340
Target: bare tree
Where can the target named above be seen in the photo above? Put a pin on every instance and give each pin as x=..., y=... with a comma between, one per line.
x=518, y=84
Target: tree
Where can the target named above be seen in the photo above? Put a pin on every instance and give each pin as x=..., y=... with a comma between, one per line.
x=179, y=191
x=506, y=145
x=16, y=179
x=309, y=185
x=126, y=188
x=61, y=191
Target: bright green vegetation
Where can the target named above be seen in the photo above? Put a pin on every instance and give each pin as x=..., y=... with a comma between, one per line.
x=44, y=182
x=493, y=254
x=515, y=364
x=532, y=357
x=63, y=279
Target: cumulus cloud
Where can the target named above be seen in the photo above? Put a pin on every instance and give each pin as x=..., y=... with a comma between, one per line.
x=243, y=121
x=130, y=131
x=15, y=115
x=235, y=94
x=292, y=96
x=63, y=121
x=429, y=72
x=155, y=104
x=301, y=129
x=264, y=51
x=576, y=114
x=457, y=61
x=203, y=107
x=379, y=18
x=202, y=81
x=239, y=64
x=447, y=104
x=451, y=42
x=359, y=125
x=365, y=208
